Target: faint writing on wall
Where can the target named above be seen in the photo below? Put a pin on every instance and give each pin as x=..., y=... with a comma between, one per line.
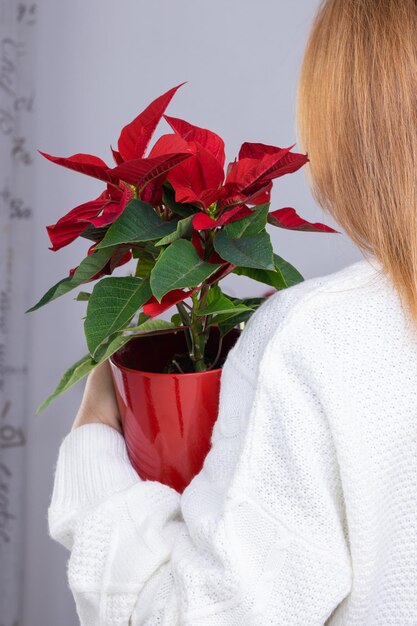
x=26, y=13
x=17, y=183
x=13, y=104
x=15, y=206
x=10, y=437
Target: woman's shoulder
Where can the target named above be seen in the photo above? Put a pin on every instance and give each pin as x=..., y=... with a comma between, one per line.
x=365, y=272
x=298, y=306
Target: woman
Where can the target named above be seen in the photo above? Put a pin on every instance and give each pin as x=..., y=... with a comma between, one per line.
x=305, y=512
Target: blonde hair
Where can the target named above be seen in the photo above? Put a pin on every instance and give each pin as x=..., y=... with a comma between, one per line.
x=357, y=122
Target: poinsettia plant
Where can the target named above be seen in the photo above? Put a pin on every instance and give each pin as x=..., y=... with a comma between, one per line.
x=186, y=222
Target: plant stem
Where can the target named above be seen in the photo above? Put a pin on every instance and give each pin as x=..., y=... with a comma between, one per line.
x=198, y=329
x=197, y=334
x=219, y=349
x=209, y=246
x=185, y=318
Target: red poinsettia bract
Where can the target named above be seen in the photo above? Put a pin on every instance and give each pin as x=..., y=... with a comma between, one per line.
x=191, y=159
x=145, y=174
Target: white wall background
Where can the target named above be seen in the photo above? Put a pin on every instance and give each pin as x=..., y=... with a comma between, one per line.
x=99, y=63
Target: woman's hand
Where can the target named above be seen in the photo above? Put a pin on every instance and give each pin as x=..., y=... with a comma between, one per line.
x=99, y=402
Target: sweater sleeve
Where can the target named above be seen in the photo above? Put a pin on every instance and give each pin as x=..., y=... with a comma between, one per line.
x=257, y=537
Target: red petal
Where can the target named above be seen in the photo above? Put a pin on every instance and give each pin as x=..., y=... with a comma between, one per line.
x=288, y=218
x=135, y=136
x=199, y=179
x=230, y=167
x=141, y=171
x=116, y=156
x=112, y=193
x=263, y=196
x=202, y=221
x=250, y=176
x=99, y=212
x=85, y=164
x=215, y=258
x=237, y=213
x=212, y=142
x=153, y=308
x=257, y=150
x=248, y=171
x=250, y=196
x=240, y=172
x=153, y=192
x=290, y=163
x=169, y=144
x=112, y=210
x=71, y=225
x=197, y=243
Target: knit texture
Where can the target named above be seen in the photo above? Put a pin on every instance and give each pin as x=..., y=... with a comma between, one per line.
x=304, y=512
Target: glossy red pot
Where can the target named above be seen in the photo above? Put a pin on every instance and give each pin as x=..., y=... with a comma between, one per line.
x=167, y=419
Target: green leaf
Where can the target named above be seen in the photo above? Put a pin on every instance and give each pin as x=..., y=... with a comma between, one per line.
x=250, y=225
x=144, y=247
x=184, y=230
x=180, y=208
x=142, y=317
x=217, y=302
x=284, y=275
x=77, y=371
x=290, y=274
x=82, y=367
x=88, y=267
x=252, y=251
x=112, y=304
x=144, y=266
x=274, y=278
x=254, y=302
x=151, y=326
x=227, y=322
x=176, y=319
x=94, y=233
x=83, y=295
x=223, y=306
x=179, y=266
x=138, y=222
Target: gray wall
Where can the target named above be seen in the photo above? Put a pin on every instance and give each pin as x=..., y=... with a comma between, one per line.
x=99, y=63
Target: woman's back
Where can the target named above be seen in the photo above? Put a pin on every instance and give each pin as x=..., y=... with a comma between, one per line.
x=357, y=119
x=368, y=390
x=349, y=335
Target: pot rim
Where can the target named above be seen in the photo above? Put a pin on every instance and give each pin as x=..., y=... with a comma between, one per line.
x=171, y=374
x=130, y=369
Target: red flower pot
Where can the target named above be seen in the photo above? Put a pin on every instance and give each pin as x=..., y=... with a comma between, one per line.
x=167, y=419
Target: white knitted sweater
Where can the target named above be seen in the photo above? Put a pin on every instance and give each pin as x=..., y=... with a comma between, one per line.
x=305, y=511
